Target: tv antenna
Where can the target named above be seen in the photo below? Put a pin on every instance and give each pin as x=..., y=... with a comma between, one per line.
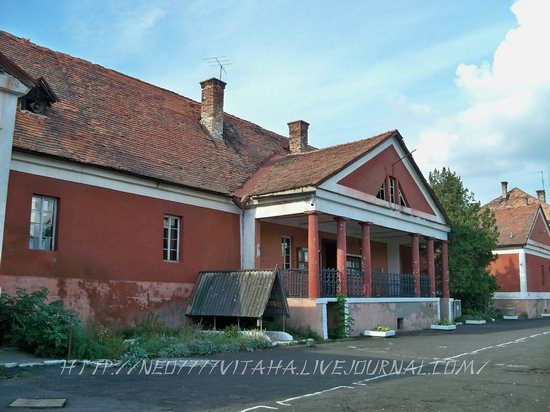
x=541, y=177
x=219, y=61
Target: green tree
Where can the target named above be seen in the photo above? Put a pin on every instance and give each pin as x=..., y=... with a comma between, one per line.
x=472, y=239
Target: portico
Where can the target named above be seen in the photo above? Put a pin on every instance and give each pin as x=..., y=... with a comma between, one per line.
x=376, y=244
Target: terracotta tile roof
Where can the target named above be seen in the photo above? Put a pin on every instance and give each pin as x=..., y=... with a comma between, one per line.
x=515, y=216
x=107, y=119
x=518, y=198
x=514, y=224
x=312, y=168
x=7, y=66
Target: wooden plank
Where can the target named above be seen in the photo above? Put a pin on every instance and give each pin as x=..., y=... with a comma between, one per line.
x=38, y=403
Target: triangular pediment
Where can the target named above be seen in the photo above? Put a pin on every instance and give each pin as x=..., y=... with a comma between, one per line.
x=388, y=177
x=540, y=232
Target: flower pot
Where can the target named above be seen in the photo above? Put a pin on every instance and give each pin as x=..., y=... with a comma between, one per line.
x=376, y=334
x=475, y=322
x=443, y=327
x=510, y=317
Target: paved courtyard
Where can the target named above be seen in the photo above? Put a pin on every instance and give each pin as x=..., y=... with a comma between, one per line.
x=502, y=365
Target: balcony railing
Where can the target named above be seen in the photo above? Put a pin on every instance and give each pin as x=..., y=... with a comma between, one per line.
x=424, y=285
x=295, y=282
x=356, y=283
x=384, y=284
x=330, y=282
x=392, y=285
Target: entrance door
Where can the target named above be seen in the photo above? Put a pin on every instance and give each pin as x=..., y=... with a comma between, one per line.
x=328, y=248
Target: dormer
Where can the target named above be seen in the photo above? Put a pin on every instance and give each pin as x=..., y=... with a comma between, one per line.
x=39, y=98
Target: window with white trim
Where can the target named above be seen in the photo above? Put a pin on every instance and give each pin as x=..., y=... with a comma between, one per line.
x=43, y=221
x=171, y=242
x=392, y=189
x=286, y=249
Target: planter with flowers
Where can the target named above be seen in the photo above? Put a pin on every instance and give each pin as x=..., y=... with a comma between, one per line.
x=380, y=331
x=443, y=325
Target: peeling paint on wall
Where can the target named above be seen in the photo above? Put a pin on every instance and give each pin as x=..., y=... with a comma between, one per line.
x=111, y=303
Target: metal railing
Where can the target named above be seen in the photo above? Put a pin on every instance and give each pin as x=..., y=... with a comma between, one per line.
x=356, y=283
x=295, y=282
x=384, y=284
x=424, y=285
x=330, y=282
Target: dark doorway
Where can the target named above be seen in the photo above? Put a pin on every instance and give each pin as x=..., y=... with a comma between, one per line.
x=328, y=248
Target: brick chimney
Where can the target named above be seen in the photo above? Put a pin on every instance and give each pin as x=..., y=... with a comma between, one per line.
x=212, y=106
x=504, y=187
x=541, y=195
x=297, y=140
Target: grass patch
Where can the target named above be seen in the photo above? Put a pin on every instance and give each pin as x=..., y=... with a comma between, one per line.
x=189, y=341
x=32, y=324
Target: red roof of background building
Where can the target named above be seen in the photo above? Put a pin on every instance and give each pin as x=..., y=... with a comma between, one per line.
x=516, y=215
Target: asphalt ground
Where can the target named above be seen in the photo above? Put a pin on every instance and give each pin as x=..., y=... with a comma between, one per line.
x=501, y=365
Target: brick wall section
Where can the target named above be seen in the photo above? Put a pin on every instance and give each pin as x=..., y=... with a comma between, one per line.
x=298, y=136
x=212, y=106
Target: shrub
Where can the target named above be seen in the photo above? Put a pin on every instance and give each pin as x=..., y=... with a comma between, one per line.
x=232, y=331
x=304, y=333
x=444, y=322
x=252, y=344
x=473, y=314
x=202, y=347
x=229, y=346
x=154, y=345
x=114, y=345
x=85, y=345
x=36, y=326
x=135, y=355
x=381, y=328
x=177, y=350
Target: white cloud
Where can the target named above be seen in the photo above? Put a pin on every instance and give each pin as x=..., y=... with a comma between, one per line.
x=506, y=127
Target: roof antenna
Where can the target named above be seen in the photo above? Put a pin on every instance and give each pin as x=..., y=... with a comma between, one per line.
x=218, y=61
x=541, y=177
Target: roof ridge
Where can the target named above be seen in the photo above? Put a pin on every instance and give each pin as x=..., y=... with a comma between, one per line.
x=488, y=204
x=280, y=136
x=389, y=132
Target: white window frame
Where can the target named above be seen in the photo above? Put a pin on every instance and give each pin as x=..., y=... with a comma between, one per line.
x=392, y=189
x=41, y=223
x=168, y=250
x=382, y=192
x=283, y=238
x=402, y=200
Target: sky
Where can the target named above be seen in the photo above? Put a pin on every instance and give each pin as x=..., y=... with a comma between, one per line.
x=467, y=83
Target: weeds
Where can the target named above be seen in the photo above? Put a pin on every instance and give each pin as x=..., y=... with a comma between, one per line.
x=48, y=329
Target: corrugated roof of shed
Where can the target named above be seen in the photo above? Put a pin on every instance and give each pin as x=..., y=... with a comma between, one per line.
x=243, y=293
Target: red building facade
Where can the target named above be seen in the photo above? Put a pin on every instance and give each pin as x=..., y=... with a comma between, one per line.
x=120, y=193
x=522, y=264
